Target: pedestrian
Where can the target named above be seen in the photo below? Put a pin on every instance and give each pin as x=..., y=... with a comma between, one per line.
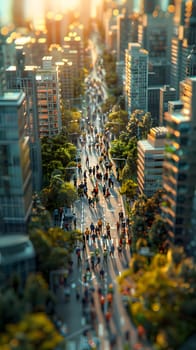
x=117, y=226
x=99, y=224
x=104, y=189
x=108, y=316
x=87, y=161
x=107, y=194
x=120, y=250
x=74, y=221
x=92, y=227
x=120, y=215
x=93, y=236
x=102, y=273
x=105, y=256
x=112, y=249
x=108, y=229
x=77, y=293
x=78, y=253
x=98, y=260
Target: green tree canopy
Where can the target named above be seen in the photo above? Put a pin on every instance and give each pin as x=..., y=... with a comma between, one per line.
x=56, y=245
x=58, y=194
x=161, y=296
x=34, y=331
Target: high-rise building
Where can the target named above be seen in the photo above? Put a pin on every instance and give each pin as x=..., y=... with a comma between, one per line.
x=167, y=93
x=179, y=175
x=183, y=39
x=23, y=77
x=154, y=35
x=124, y=35
x=66, y=81
x=48, y=98
x=136, y=78
x=191, y=63
x=15, y=167
x=150, y=161
x=148, y=6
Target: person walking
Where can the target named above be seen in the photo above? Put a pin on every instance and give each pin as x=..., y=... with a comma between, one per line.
x=112, y=249
x=102, y=273
x=87, y=161
x=92, y=227
x=120, y=250
x=104, y=189
x=100, y=224
x=105, y=256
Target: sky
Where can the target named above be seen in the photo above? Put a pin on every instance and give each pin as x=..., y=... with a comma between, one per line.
x=35, y=8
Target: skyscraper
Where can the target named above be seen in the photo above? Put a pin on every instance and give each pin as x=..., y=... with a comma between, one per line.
x=136, y=78
x=148, y=6
x=183, y=39
x=179, y=175
x=167, y=93
x=15, y=168
x=22, y=77
x=48, y=98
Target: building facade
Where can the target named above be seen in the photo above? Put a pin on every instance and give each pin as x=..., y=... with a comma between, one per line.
x=15, y=167
x=179, y=175
x=167, y=93
x=136, y=78
x=22, y=77
x=48, y=98
x=150, y=161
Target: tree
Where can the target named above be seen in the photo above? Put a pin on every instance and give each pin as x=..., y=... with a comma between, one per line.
x=36, y=293
x=129, y=189
x=117, y=121
x=57, y=153
x=55, y=244
x=11, y=309
x=58, y=194
x=108, y=104
x=158, y=235
x=34, y=331
x=161, y=297
x=139, y=124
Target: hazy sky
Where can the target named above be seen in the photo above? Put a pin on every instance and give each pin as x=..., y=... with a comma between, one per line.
x=36, y=7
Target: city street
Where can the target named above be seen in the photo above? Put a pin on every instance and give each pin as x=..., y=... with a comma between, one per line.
x=93, y=312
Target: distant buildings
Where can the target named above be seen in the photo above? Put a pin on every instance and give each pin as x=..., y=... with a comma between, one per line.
x=136, y=78
x=150, y=161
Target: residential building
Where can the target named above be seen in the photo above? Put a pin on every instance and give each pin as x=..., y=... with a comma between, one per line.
x=48, y=98
x=150, y=161
x=23, y=77
x=15, y=167
x=136, y=78
x=179, y=175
